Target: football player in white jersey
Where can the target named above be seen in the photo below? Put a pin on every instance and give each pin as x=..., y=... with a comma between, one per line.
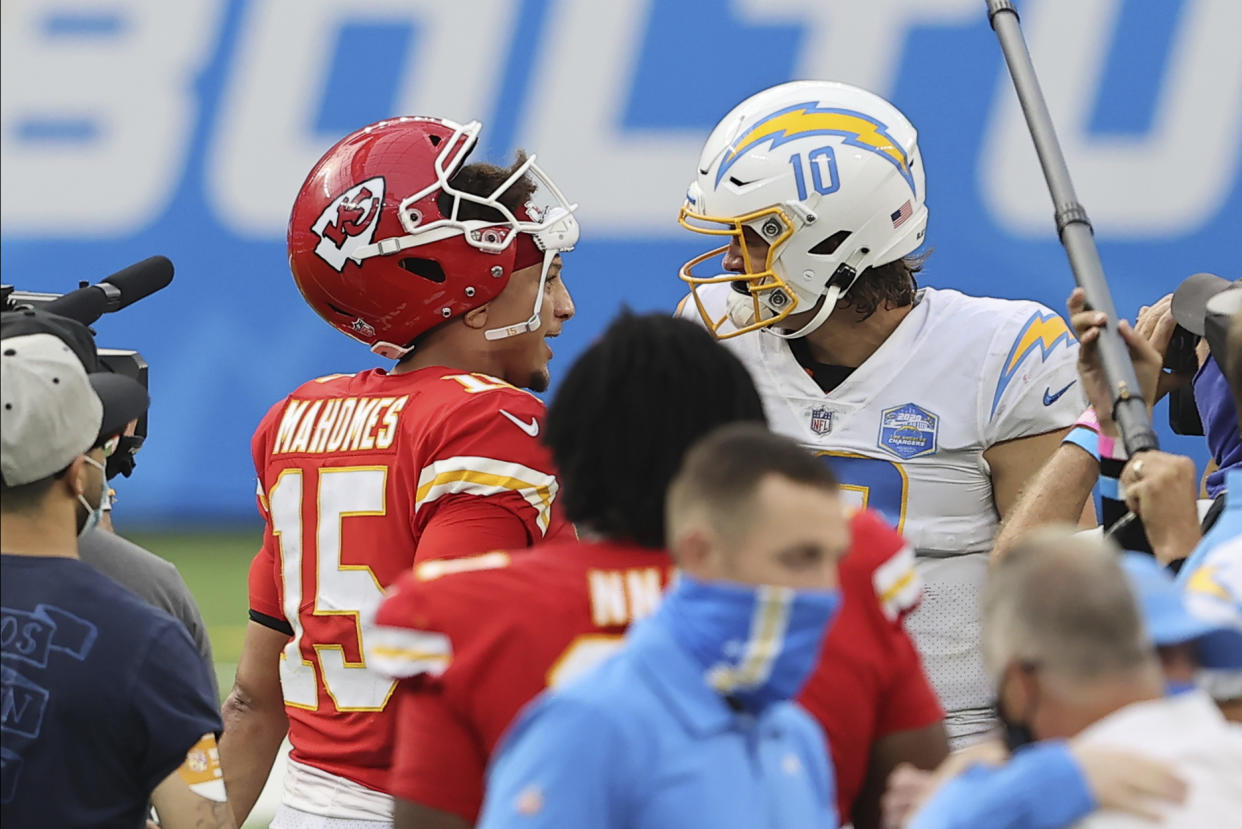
x=933, y=407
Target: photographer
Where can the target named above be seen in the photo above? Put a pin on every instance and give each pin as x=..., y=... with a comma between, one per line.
x=155, y=580
x=1166, y=503
x=1160, y=487
x=107, y=705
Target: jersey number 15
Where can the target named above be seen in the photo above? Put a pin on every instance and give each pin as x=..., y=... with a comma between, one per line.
x=342, y=589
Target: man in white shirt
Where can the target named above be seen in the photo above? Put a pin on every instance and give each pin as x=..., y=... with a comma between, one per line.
x=1065, y=637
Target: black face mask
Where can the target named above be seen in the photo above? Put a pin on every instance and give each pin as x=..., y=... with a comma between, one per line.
x=123, y=460
x=1016, y=734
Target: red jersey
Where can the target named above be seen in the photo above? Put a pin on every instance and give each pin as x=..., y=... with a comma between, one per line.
x=870, y=681
x=482, y=636
x=360, y=476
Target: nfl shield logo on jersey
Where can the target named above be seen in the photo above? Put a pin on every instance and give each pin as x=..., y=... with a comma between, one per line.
x=908, y=431
x=821, y=420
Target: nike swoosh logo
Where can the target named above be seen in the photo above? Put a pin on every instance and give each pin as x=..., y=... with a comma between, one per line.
x=1050, y=398
x=531, y=428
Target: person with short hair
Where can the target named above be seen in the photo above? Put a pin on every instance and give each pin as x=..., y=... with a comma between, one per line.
x=692, y=724
x=106, y=703
x=1071, y=633
x=474, y=639
x=129, y=565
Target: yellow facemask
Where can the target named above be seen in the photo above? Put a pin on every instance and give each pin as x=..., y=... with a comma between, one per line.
x=771, y=298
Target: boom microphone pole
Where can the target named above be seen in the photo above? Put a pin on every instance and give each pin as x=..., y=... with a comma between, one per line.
x=1129, y=408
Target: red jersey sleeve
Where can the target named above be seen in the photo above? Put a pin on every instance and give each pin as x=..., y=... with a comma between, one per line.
x=906, y=700
x=463, y=675
x=264, y=593
x=465, y=525
x=437, y=759
x=486, y=447
x=887, y=691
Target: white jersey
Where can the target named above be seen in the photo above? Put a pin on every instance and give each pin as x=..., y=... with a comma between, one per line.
x=906, y=433
x=1188, y=732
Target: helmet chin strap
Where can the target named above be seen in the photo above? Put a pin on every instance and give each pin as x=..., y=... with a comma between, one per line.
x=830, y=302
x=842, y=280
x=391, y=351
x=536, y=319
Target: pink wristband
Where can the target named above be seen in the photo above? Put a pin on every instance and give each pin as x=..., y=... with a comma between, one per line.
x=1089, y=420
x=1112, y=448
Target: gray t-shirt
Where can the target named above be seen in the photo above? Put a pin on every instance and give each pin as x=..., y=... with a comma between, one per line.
x=156, y=581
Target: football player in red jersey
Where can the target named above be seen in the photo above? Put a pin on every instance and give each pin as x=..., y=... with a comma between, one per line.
x=869, y=690
x=477, y=637
x=451, y=270
x=474, y=639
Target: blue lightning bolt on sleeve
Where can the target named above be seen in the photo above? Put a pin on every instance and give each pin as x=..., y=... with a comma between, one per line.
x=1034, y=363
x=1042, y=787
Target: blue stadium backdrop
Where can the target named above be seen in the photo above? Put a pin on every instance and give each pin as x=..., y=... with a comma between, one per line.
x=136, y=127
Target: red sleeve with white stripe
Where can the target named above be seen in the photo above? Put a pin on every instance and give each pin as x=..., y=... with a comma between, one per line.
x=905, y=700
x=488, y=448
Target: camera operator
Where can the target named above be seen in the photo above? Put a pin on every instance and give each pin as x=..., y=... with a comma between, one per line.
x=106, y=703
x=1160, y=487
x=1164, y=498
x=155, y=580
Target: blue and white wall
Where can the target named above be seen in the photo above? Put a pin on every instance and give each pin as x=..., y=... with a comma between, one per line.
x=184, y=127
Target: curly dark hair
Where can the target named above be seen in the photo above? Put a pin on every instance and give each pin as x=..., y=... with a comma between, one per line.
x=891, y=285
x=478, y=179
x=628, y=410
x=482, y=178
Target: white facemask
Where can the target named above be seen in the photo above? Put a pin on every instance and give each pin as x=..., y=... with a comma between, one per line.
x=93, y=514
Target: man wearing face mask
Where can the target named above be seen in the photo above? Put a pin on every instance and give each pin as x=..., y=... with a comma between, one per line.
x=691, y=723
x=106, y=704
x=133, y=567
x=1144, y=758
x=1073, y=643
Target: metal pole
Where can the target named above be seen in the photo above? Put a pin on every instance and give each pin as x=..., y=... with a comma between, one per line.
x=1129, y=408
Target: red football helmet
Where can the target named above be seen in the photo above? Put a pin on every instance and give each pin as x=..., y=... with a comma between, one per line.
x=374, y=255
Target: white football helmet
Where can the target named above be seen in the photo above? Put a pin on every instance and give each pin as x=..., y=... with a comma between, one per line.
x=798, y=163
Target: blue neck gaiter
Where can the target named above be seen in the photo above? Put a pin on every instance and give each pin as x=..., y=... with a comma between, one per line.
x=1214, y=400
x=756, y=644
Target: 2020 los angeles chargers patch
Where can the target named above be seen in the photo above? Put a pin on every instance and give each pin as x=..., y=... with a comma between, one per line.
x=908, y=431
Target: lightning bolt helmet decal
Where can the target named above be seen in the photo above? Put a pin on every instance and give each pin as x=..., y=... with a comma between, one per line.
x=806, y=119
x=768, y=168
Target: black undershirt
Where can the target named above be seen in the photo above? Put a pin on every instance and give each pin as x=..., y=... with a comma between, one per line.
x=825, y=375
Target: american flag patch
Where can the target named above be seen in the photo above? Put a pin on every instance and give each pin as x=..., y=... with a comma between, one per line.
x=900, y=215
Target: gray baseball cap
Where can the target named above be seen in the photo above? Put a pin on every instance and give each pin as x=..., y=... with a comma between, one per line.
x=1193, y=296
x=1205, y=304
x=49, y=413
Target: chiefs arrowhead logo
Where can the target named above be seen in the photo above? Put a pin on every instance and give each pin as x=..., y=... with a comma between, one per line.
x=349, y=222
